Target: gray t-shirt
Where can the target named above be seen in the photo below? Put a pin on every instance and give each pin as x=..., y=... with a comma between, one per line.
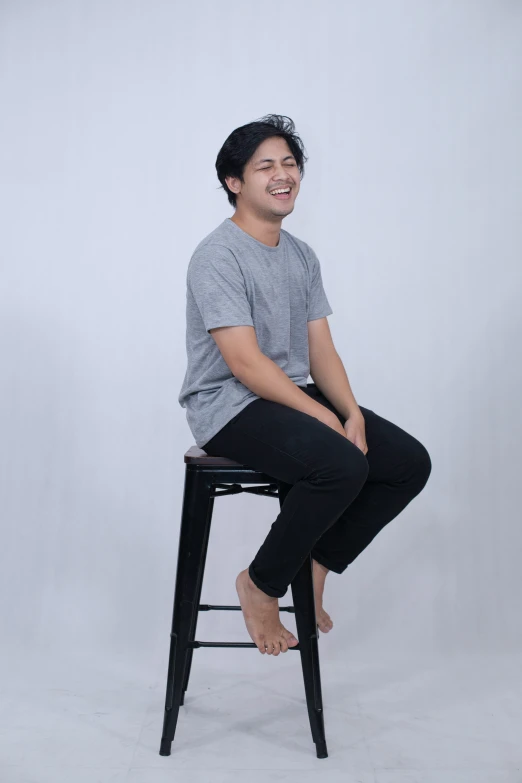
x=235, y=280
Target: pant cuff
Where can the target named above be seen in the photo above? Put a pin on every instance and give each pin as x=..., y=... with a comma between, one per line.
x=272, y=591
x=327, y=564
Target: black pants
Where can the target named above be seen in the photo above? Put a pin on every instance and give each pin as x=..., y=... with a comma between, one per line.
x=335, y=498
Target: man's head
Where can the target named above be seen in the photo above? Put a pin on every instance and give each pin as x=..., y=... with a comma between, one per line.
x=258, y=158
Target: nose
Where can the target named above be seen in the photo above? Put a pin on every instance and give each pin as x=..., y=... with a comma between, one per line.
x=281, y=176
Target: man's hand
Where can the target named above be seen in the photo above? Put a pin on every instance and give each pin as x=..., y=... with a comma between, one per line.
x=355, y=431
x=353, y=428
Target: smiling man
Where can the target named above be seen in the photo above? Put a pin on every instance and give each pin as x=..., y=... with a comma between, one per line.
x=256, y=329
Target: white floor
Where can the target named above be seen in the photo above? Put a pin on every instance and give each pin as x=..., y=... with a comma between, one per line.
x=455, y=720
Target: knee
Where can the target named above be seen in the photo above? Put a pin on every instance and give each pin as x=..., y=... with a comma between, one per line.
x=421, y=464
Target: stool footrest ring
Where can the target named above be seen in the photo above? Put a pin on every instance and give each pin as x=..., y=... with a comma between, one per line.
x=195, y=645
x=211, y=607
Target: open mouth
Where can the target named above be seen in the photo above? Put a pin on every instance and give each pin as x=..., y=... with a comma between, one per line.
x=282, y=196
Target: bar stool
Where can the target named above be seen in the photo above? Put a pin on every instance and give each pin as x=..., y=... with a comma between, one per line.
x=208, y=477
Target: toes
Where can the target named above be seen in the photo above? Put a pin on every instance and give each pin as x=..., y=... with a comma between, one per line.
x=324, y=622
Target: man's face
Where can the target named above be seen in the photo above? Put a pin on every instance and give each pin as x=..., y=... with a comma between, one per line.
x=272, y=166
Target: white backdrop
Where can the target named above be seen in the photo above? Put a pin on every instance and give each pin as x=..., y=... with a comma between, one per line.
x=113, y=114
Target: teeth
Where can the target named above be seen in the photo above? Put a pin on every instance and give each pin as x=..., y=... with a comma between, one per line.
x=281, y=190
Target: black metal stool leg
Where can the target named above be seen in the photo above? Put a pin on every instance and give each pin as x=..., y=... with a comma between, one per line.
x=305, y=620
x=193, y=535
x=197, y=601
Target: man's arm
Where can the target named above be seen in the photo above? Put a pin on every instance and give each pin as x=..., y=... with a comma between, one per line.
x=327, y=370
x=241, y=352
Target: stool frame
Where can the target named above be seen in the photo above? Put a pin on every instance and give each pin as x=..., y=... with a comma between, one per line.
x=206, y=478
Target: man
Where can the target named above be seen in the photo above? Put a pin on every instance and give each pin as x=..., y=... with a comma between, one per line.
x=256, y=329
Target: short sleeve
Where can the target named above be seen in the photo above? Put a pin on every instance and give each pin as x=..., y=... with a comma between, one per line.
x=319, y=305
x=217, y=284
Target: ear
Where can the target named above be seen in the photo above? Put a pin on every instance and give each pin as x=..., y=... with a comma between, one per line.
x=233, y=183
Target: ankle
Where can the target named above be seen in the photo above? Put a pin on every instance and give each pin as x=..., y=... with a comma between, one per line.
x=254, y=589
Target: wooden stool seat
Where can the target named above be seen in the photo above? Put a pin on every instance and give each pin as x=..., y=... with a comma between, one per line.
x=196, y=456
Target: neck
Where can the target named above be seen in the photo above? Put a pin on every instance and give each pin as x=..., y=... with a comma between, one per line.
x=267, y=233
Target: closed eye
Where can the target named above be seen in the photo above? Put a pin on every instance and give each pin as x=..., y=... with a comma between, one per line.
x=265, y=168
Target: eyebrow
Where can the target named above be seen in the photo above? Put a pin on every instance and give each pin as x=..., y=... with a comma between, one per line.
x=271, y=160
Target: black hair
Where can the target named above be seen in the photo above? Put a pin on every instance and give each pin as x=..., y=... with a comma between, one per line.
x=243, y=142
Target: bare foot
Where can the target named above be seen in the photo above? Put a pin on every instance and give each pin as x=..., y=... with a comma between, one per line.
x=324, y=620
x=261, y=613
